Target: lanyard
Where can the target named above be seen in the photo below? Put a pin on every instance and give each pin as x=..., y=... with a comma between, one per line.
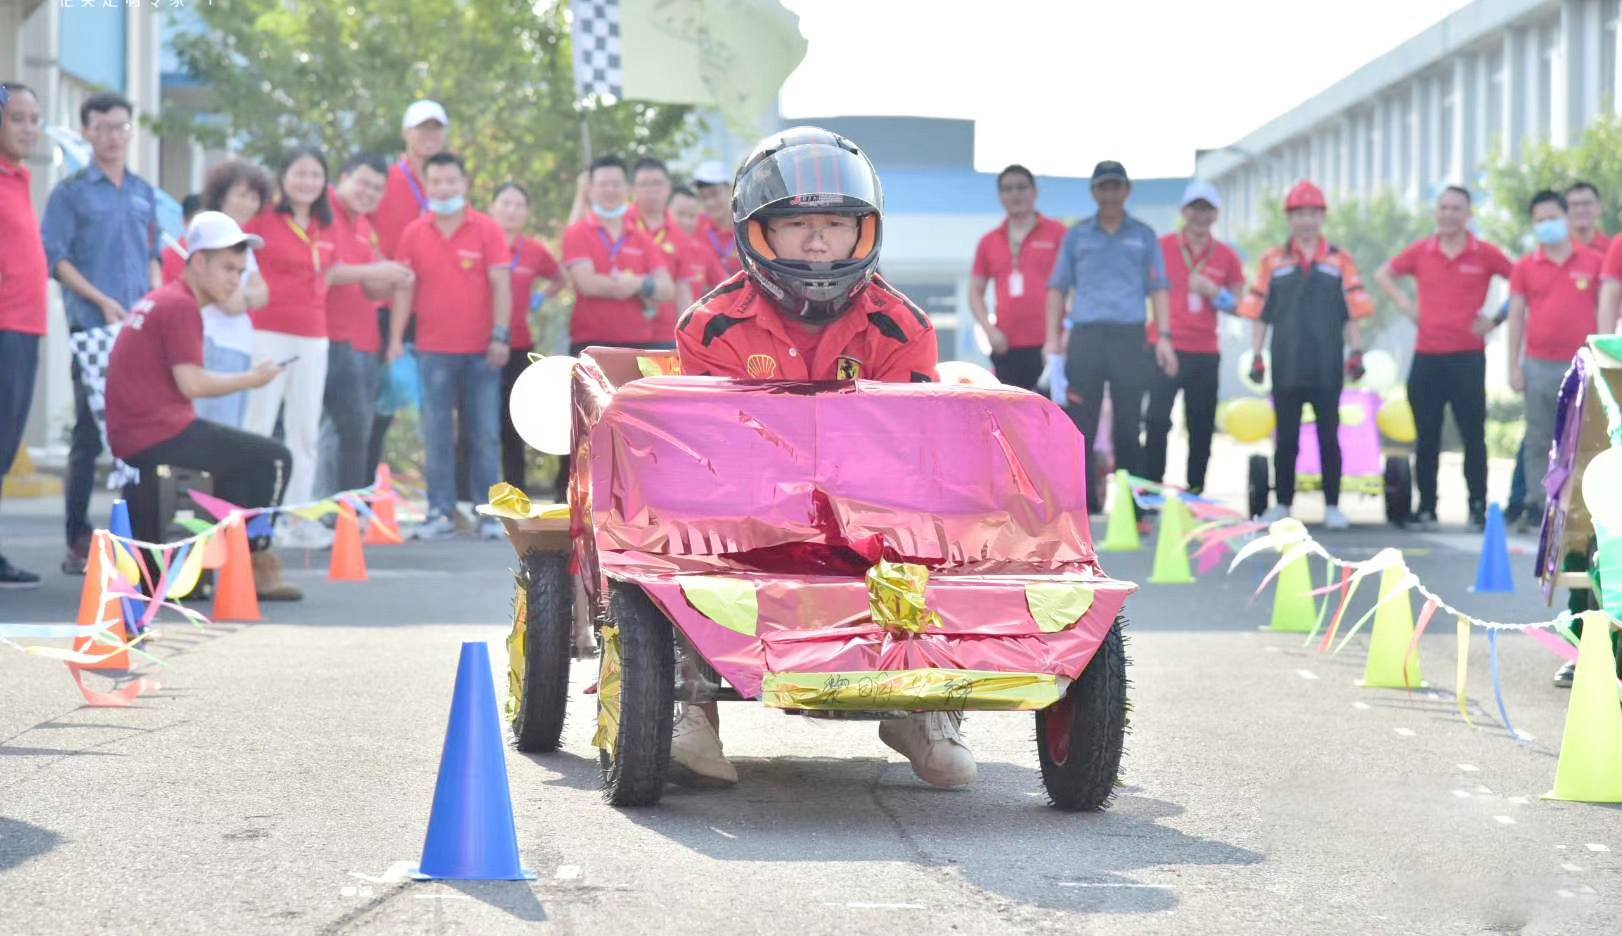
x=315, y=252
x=613, y=247
x=1188, y=258
x=411, y=182
x=518, y=253
x=715, y=241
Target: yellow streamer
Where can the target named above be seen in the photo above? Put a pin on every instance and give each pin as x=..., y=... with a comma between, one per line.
x=909, y=690
x=896, y=591
x=1464, y=666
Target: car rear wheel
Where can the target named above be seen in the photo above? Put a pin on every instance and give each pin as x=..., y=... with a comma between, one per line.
x=635, y=698
x=1261, y=485
x=1399, y=490
x=1079, y=738
x=538, y=651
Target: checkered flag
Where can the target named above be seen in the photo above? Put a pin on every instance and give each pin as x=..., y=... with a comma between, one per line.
x=92, y=348
x=597, y=48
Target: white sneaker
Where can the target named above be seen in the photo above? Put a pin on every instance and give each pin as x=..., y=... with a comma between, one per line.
x=1275, y=513
x=436, y=527
x=1335, y=520
x=490, y=529
x=299, y=533
x=695, y=752
x=932, y=743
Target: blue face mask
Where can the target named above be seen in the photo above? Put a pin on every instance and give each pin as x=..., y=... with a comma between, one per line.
x=1552, y=231
x=447, y=206
x=608, y=215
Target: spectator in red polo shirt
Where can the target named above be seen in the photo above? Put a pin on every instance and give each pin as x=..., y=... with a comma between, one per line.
x=1453, y=271
x=1553, y=308
x=240, y=189
x=650, y=215
x=810, y=305
x=405, y=200
x=291, y=328
x=713, y=184
x=1206, y=278
x=619, y=274
x=1610, y=291
x=156, y=370
x=360, y=281
x=1584, y=208
x=1018, y=257
x=462, y=300
x=531, y=261
x=703, y=272
x=22, y=284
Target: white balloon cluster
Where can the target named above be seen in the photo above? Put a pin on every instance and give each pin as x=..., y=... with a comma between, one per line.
x=541, y=408
x=1602, y=489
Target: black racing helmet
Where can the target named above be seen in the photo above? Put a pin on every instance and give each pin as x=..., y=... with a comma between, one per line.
x=807, y=170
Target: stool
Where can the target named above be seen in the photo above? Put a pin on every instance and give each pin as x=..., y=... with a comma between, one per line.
x=160, y=503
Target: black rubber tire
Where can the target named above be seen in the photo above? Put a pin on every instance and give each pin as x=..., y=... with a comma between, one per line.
x=1093, y=715
x=1261, y=484
x=1399, y=490
x=543, y=699
x=634, y=775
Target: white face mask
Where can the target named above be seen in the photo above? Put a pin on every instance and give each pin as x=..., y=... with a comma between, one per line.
x=610, y=214
x=447, y=206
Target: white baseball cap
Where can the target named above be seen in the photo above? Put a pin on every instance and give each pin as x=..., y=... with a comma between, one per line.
x=1202, y=191
x=711, y=172
x=216, y=230
x=420, y=112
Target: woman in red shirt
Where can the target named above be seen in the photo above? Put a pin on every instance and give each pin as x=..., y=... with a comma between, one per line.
x=291, y=329
x=531, y=260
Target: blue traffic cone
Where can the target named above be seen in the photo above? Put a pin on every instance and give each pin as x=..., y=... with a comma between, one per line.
x=1492, y=574
x=471, y=836
x=119, y=525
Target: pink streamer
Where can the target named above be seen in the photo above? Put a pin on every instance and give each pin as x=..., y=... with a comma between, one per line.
x=1553, y=643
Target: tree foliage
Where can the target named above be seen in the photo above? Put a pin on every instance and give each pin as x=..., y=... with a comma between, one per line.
x=1597, y=158
x=1372, y=231
x=339, y=73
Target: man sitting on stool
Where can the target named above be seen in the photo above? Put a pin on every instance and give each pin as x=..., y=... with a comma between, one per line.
x=156, y=370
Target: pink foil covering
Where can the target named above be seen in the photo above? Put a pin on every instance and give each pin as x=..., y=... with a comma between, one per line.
x=801, y=487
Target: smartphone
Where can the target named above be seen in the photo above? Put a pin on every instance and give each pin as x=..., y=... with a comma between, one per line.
x=287, y=362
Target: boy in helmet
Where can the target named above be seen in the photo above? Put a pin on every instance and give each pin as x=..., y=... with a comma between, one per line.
x=1308, y=293
x=808, y=305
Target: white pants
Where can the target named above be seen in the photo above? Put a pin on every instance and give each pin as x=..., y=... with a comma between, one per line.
x=302, y=387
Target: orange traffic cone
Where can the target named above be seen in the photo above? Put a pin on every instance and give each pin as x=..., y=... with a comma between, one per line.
x=91, y=606
x=384, y=530
x=348, y=559
x=235, y=596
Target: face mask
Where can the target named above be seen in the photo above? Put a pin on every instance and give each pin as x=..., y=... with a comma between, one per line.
x=608, y=215
x=447, y=206
x=1552, y=231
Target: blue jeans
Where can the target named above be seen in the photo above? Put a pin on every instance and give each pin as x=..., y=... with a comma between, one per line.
x=465, y=388
x=226, y=410
x=346, y=428
x=19, y=360
x=1517, y=481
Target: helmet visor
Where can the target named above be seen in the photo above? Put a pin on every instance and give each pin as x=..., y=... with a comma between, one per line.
x=807, y=179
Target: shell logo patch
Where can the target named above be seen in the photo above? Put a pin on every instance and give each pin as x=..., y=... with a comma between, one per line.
x=848, y=368
x=761, y=366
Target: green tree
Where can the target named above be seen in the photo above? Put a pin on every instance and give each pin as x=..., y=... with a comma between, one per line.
x=1372, y=231
x=1597, y=158
x=340, y=73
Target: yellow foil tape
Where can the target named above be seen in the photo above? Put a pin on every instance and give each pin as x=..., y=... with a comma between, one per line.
x=516, y=643
x=608, y=693
x=895, y=591
x=909, y=690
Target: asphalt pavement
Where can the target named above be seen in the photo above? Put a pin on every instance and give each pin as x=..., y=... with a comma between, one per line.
x=280, y=782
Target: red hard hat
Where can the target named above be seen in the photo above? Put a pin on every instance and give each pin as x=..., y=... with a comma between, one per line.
x=1305, y=195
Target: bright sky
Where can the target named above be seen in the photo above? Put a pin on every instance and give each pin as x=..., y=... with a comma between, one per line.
x=1060, y=84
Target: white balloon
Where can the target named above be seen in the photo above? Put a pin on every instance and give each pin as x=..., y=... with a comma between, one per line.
x=1602, y=489
x=966, y=372
x=1379, y=371
x=541, y=408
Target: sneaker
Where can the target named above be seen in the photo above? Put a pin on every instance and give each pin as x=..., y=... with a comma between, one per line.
x=1426, y=521
x=436, y=527
x=77, y=558
x=1335, y=520
x=1528, y=517
x=1564, y=675
x=13, y=577
x=490, y=529
x=1478, y=518
x=933, y=744
x=299, y=533
x=1275, y=513
x=696, y=759
x=1513, y=513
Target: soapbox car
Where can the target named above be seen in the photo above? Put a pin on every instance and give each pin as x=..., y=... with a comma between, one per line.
x=1365, y=467
x=1580, y=502
x=844, y=549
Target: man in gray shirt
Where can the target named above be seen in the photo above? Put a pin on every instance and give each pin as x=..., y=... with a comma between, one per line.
x=1110, y=269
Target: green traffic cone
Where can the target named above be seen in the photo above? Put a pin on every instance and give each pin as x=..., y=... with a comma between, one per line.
x=1171, y=550
x=1122, y=533
x=1393, y=634
x=1295, y=611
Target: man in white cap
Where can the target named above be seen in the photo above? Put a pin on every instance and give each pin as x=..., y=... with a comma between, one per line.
x=713, y=183
x=1206, y=277
x=156, y=370
x=405, y=199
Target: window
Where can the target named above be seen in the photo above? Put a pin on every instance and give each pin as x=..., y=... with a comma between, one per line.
x=1548, y=39
x=1611, y=20
x=1443, y=174
x=1495, y=98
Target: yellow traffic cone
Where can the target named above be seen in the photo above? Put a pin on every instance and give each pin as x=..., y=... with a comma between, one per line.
x=23, y=481
x=1393, y=635
x=1122, y=533
x=1171, y=550
x=1590, y=768
x=1295, y=611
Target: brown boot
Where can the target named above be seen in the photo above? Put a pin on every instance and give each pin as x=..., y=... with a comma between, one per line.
x=267, y=578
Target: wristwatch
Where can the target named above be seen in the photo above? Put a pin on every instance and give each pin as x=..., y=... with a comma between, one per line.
x=500, y=334
x=648, y=285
